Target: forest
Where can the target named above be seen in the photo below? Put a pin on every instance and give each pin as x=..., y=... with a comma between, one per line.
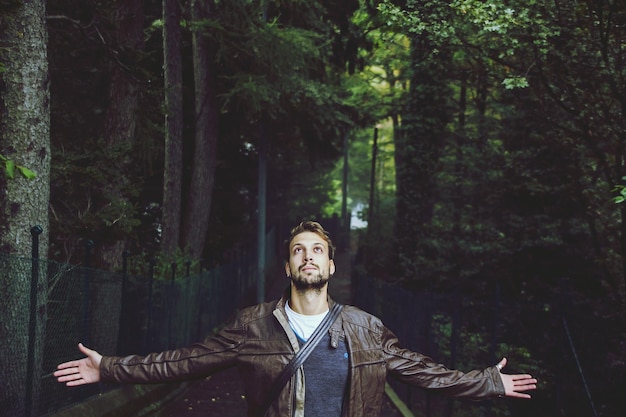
x=482, y=142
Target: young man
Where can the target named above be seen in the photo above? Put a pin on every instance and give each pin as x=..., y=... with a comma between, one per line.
x=345, y=374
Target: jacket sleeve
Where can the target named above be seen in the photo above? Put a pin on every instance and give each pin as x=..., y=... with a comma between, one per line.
x=420, y=370
x=196, y=361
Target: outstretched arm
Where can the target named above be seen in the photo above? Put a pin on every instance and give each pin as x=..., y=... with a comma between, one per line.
x=516, y=385
x=80, y=372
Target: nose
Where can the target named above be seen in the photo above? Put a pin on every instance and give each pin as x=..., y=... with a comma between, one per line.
x=307, y=257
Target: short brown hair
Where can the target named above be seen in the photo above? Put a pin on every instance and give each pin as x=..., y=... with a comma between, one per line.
x=314, y=227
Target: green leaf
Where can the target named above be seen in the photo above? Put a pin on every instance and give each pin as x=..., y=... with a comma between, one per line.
x=9, y=168
x=26, y=173
x=515, y=82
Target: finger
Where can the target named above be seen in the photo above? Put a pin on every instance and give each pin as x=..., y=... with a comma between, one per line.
x=525, y=387
x=519, y=395
x=92, y=355
x=69, y=378
x=76, y=383
x=523, y=378
x=528, y=383
x=71, y=364
x=65, y=371
x=84, y=349
x=501, y=364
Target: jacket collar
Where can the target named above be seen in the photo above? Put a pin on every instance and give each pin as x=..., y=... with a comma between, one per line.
x=280, y=305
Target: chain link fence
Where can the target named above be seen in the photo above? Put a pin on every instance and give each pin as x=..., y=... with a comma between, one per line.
x=560, y=340
x=50, y=307
x=115, y=313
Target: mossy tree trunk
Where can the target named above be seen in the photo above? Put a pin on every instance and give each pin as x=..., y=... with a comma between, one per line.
x=24, y=139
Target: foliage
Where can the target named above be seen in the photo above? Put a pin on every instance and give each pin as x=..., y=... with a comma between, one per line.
x=10, y=167
x=280, y=73
x=501, y=137
x=515, y=187
x=284, y=72
x=621, y=190
x=176, y=266
x=100, y=213
x=500, y=48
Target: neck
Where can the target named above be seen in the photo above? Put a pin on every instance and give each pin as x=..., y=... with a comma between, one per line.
x=309, y=301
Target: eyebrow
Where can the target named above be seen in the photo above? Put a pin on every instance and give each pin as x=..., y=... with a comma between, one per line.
x=320, y=243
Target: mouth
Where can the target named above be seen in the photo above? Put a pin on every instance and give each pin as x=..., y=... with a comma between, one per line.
x=309, y=267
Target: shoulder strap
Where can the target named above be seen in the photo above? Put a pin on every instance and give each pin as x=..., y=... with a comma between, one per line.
x=297, y=361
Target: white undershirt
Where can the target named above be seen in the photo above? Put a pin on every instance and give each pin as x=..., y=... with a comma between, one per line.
x=303, y=325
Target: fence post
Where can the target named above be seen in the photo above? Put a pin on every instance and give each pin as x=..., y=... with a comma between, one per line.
x=86, y=316
x=171, y=307
x=494, y=324
x=122, y=347
x=495, y=314
x=150, y=302
x=188, y=305
x=32, y=324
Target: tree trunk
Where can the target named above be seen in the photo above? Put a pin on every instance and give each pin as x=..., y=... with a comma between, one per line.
x=25, y=139
x=204, y=160
x=120, y=126
x=172, y=176
x=120, y=123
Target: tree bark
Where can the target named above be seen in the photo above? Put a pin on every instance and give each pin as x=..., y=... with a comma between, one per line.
x=25, y=139
x=204, y=160
x=172, y=176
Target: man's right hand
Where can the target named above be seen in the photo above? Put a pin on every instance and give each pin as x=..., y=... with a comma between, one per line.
x=80, y=372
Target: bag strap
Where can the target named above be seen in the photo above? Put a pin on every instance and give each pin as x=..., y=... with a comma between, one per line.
x=297, y=361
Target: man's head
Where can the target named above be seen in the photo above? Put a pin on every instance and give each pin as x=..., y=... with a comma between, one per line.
x=314, y=227
x=310, y=253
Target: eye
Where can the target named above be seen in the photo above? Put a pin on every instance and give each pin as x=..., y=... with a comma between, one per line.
x=318, y=249
x=297, y=249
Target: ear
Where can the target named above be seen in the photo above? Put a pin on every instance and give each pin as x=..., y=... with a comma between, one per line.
x=287, y=270
x=332, y=267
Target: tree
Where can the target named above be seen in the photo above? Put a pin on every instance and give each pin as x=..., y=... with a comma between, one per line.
x=519, y=186
x=582, y=79
x=283, y=74
x=421, y=142
x=97, y=84
x=120, y=126
x=282, y=70
x=24, y=137
x=173, y=169
x=196, y=223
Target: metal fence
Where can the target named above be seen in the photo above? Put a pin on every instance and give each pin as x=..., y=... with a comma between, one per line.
x=565, y=345
x=119, y=313
x=115, y=313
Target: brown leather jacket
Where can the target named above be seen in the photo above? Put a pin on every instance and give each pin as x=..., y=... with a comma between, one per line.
x=260, y=343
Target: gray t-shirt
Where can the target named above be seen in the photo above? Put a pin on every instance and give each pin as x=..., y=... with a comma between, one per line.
x=325, y=378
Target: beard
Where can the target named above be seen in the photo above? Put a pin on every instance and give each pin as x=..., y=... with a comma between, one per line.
x=303, y=282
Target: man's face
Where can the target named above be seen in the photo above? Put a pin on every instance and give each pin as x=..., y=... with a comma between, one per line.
x=309, y=265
